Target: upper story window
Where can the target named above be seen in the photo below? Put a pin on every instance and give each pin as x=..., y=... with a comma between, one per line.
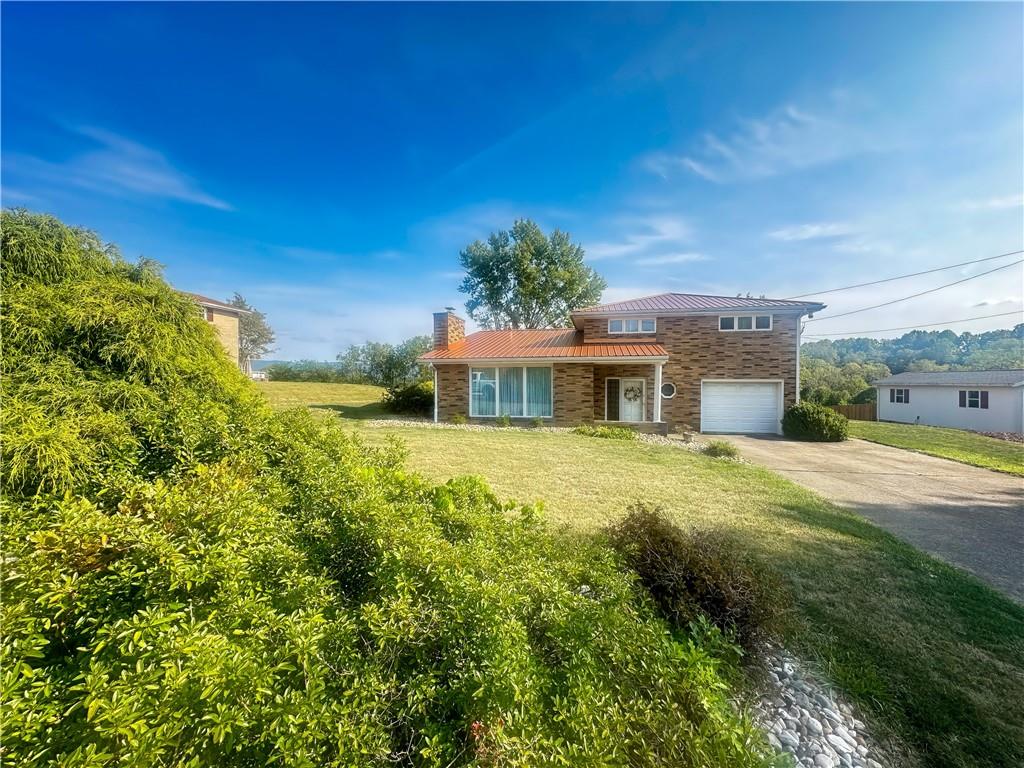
x=898, y=395
x=744, y=322
x=632, y=325
x=974, y=398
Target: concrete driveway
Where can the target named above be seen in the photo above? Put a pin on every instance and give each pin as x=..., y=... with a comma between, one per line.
x=968, y=516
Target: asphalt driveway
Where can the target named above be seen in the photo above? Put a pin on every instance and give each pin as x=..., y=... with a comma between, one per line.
x=968, y=516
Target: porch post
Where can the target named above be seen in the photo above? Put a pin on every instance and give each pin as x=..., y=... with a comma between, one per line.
x=435, y=391
x=657, y=392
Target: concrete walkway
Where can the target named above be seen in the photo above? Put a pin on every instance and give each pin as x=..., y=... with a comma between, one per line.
x=968, y=516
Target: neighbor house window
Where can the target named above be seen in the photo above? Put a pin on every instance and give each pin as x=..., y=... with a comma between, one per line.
x=745, y=322
x=974, y=398
x=899, y=395
x=631, y=325
x=513, y=391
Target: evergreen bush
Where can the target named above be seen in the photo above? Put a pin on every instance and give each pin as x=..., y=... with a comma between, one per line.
x=815, y=423
x=190, y=579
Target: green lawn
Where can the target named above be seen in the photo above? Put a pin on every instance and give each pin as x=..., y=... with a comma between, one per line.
x=351, y=401
x=935, y=656
x=955, y=444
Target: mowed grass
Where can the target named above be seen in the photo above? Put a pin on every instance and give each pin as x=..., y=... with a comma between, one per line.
x=351, y=401
x=955, y=444
x=932, y=654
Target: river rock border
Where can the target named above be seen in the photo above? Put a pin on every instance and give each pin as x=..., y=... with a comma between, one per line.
x=806, y=719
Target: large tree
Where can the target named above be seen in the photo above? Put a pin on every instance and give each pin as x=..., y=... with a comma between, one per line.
x=255, y=336
x=525, y=279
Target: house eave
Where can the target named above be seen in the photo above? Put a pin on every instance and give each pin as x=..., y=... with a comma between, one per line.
x=540, y=360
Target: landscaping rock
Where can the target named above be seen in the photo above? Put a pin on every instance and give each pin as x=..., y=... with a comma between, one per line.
x=804, y=718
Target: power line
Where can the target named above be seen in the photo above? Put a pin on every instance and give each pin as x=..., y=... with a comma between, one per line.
x=916, y=295
x=912, y=327
x=902, y=277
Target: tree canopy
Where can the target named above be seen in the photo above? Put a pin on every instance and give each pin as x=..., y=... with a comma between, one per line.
x=386, y=365
x=255, y=336
x=523, y=278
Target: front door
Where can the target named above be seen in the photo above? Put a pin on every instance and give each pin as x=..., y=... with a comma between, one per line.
x=631, y=399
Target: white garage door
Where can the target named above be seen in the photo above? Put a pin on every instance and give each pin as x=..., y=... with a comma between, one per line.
x=734, y=406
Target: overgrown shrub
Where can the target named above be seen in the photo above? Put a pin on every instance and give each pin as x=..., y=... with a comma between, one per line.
x=720, y=449
x=813, y=422
x=608, y=433
x=503, y=421
x=698, y=572
x=190, y=579
x=459, y=418
x=413, y=399
x=537, y=422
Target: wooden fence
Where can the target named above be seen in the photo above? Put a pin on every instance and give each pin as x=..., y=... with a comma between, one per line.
x=858, y=412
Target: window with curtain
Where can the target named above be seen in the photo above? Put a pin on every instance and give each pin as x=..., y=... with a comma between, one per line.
x=510, y=386
x=538, y=392
x=517, y=391
x=483, y=392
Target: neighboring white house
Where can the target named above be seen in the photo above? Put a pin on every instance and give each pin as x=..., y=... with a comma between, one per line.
x=983, y=401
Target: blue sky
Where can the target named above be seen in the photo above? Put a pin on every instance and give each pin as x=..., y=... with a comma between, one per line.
x=330, y=161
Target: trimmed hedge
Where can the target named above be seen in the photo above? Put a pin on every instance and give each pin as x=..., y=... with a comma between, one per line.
x=815, y=423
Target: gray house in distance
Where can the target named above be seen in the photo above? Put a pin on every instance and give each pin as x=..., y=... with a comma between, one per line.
x=982, y=401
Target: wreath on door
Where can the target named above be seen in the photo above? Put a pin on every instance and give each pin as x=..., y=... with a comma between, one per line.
x=632, y=393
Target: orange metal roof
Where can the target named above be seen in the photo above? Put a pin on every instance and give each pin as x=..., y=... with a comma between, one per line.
x=695, y=302
x=541, y=344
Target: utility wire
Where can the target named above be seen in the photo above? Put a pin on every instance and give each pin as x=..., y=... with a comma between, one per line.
x=902, y=277
x=912, y=327
x=916, y=295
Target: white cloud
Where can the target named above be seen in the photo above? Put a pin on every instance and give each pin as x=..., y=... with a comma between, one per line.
x=642, y=235
x=118, y=166
x=811, y=231
x=788, y=138
x=992, y=203
x=671, y=258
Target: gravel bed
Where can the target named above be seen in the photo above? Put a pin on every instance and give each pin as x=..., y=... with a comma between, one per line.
x=1011, y=437
x=806, y=719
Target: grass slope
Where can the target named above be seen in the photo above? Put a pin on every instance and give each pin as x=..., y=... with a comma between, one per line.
x=956, y=444
x=352, y=401
x=937, y=656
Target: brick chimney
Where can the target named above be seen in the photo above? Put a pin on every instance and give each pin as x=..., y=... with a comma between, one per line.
x=448, y=328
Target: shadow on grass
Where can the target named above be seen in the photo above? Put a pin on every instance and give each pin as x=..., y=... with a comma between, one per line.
x=367, y=411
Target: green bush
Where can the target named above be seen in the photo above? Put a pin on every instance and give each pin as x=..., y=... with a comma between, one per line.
x=721, y=449
x=459, y=418
x=503, y=421
x=693, y=573
x=191, y=579
x=537, y=422
x=608, y=433
x=813, y=422
x=414, y=399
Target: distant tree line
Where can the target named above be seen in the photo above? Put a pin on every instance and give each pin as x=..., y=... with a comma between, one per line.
x=384, y=365
x=841, y=371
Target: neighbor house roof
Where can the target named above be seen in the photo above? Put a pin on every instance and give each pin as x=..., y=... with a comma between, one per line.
x=1011, y=378
x=205, y=301
x=690, y=303
x=542, y=344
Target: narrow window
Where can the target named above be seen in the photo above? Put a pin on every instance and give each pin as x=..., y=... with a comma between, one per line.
x=984, y=398
x=647, y=326
x=632, y=326
x=727, y=323
x=614, y=326
x=892, y=395
x=963, y=399
x=483, y=392
x=611, y=399
x=538, y=392
x=744, y=323
x=763, y=322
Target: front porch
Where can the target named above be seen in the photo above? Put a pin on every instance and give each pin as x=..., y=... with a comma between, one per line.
x=628, y=395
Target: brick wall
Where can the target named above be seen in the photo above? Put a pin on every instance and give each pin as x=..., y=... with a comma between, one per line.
x=452, y=391
x=640, y=371
x=226, y=326
x=698, y=350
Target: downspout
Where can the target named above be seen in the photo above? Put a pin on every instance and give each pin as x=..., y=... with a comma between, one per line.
x=435, y=391
x=799, y=328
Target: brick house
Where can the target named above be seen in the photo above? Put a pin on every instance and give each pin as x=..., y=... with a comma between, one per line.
x=224, y=319
x=665, y=362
